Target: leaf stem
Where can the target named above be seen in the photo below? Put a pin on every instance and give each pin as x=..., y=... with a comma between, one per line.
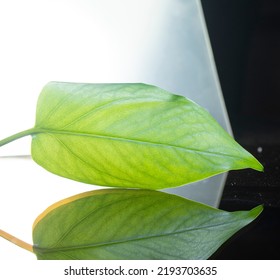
x=17, y=136
x=16, y=241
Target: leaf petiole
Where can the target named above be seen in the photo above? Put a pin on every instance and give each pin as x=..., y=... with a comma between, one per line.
x=16, y=241
x=17, y=136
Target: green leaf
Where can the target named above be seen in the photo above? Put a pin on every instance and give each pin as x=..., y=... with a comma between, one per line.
x=133, y=224
x=129, y=135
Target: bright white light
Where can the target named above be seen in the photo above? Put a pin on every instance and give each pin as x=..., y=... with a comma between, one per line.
x=81, y=41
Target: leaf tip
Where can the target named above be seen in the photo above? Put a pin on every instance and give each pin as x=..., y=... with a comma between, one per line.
x=255, y=212
x=258, y=166
x=255, y=164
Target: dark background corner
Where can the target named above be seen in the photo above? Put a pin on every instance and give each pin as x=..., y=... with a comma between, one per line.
x=245, y=38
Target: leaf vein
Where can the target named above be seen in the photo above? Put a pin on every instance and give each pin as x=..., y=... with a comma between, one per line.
x=117, y=242
x=87, y=163
x=134, y=141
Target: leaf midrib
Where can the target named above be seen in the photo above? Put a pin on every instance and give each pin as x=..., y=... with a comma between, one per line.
x=134, y=141
x=110, y=243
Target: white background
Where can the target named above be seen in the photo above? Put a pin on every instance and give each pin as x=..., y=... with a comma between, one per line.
x=229, y=270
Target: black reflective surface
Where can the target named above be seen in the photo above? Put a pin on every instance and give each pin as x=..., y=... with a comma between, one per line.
x=245, y=37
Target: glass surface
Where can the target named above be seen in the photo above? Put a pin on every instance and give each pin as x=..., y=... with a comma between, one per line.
x=160, y=42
